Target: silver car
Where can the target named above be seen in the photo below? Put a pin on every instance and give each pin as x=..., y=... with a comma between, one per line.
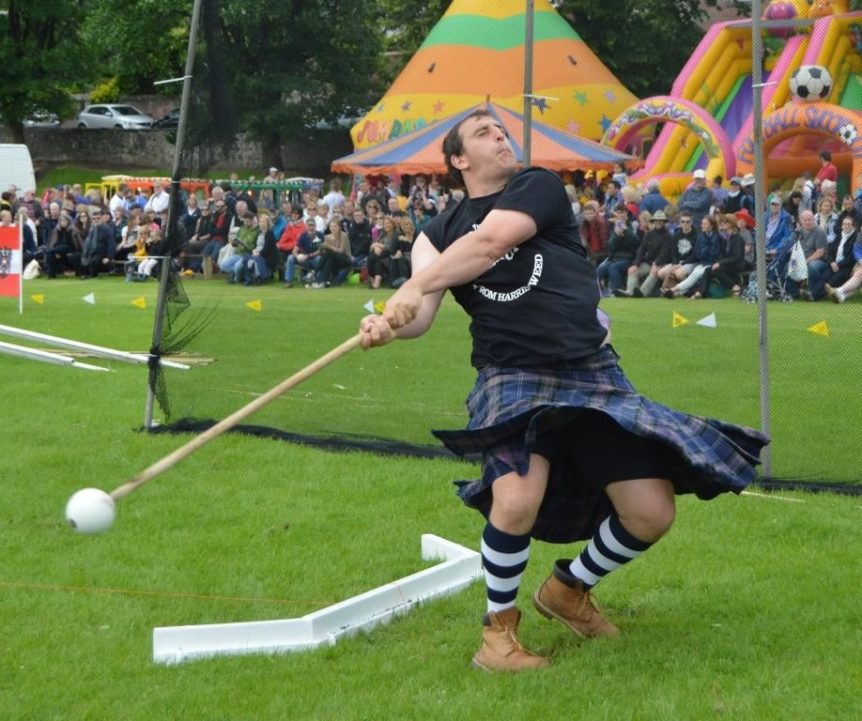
x=126, y=117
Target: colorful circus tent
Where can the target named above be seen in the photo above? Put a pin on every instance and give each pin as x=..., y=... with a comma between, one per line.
x=476, y=50
x=421, y=150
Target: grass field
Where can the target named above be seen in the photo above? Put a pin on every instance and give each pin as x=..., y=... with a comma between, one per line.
x=748, y=610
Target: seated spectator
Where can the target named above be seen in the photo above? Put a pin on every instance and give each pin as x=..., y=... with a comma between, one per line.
x=815, y=246
x=334, y=255
x=779, y=228
x=141, y=265
x=98, y=248
x=263, y=261
x=381, y=250
x=707, y=251
x=359, y=232
x=594, y=232
x=623, y=245
x=129, y=237
x=243, y=244
x=400, y=267
x=190, y=215
x=853, y=283
x=731, y=260
x=64, y=245
x=840, y=254
x=191, y=256
x=219, y=229
x=654, y=252
x=682, y=260
x=719, y=194
x=305, y=255
x=848, y=209
x=290, y=234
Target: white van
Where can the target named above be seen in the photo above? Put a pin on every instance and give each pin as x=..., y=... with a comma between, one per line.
x=16, y=167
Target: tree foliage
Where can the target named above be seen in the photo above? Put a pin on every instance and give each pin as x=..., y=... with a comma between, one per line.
x=645, y=43
x=41, y=60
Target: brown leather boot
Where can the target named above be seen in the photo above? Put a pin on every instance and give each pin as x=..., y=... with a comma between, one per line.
x=501, y=650
x=564, y=598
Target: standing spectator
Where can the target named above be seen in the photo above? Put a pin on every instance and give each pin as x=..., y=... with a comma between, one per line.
x=159, y=200
x=697, y=199
x=736, y=200
x=653, y=200
x=827, y=171
x=334, y=197
x=720, y=195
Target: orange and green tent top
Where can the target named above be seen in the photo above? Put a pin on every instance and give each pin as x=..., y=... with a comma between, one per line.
x=476, y=51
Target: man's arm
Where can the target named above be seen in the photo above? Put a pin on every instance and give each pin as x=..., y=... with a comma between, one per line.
x=376, y=330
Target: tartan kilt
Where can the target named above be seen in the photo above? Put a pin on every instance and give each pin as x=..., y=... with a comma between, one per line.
x=511, y=407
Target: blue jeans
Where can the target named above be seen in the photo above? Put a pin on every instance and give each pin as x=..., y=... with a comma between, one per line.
x=613, y=273
x=255, y=268
x=290, y=266
x=819, y=272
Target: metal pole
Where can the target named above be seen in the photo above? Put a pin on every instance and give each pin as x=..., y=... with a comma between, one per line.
x=528, y=83
x=174, y=207
x=760, y=230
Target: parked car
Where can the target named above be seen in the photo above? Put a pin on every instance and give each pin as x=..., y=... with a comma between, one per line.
x=41, y=119
x=127, y=117
x=171, y=120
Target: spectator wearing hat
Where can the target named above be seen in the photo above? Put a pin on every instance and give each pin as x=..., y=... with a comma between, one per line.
x=747, y=184
x=653, y=200
x=736, y=199
x=697, y=199
x=654, y=252
x=778, y=227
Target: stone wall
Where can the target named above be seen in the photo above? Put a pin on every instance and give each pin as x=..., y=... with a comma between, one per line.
x=120, y=149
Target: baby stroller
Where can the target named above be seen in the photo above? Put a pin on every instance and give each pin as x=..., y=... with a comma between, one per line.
x=778, y=268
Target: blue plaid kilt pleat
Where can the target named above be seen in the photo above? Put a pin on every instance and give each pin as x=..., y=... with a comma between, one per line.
x=510, y=408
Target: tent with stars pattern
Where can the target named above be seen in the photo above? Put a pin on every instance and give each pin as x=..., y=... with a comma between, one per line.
x=420, y=151
x=476, y=50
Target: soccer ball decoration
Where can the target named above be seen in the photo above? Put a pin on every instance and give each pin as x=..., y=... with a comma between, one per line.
x=811, y=83
x=848, y=133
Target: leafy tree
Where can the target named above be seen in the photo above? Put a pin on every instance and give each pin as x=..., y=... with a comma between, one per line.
x=293, y=65
x=643, y=42
x=41, y=60
x=138, y=42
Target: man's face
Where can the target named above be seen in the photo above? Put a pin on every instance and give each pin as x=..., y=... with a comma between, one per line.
x=486, y=147
x=393, y=204
x=847, y=226
x=358, y=216
x=310, y=226
x=806, y=220
x=685, y=223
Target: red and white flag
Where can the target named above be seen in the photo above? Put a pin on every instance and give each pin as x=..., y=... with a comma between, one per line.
x=10, y=262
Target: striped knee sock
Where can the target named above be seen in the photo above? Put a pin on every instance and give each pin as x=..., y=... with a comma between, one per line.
x=504, y=558
x=610, y=548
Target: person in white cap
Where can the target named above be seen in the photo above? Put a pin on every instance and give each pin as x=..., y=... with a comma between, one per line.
x=697, y=199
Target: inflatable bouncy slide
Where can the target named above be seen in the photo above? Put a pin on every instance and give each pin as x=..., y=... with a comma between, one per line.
x=707, y=116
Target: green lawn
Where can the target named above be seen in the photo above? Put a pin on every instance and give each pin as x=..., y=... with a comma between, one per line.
x=748, y=610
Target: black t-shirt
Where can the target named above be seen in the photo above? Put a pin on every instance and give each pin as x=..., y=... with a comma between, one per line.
x=537, y=304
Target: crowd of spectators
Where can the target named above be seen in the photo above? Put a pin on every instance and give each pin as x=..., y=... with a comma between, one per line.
x=641, y=243
x=703, y=245
x=316, y=238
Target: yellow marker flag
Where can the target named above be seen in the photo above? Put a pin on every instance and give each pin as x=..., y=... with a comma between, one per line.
x=38, y=298
x=820, y=328
x=679, y=320
x=255, y=305
x=380, y=306
x=140, y=302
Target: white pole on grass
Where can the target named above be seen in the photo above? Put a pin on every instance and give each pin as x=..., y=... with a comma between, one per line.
x=95, y=350
x=45, y=357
